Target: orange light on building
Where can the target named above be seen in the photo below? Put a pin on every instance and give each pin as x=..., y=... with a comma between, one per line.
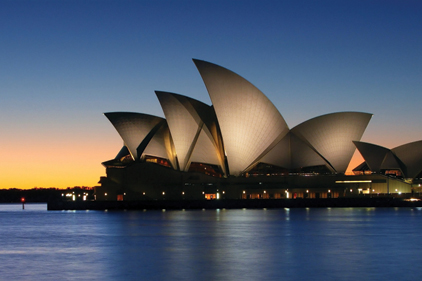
x=210, y=196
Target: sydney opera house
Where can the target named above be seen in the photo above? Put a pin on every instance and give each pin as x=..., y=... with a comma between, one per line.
x=240, y=147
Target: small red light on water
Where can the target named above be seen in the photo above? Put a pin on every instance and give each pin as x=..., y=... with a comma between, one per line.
x=23, y=199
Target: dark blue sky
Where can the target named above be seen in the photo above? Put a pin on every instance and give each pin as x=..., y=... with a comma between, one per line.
x=64, y=63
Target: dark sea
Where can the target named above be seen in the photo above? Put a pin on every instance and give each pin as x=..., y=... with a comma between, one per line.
x=274, y=244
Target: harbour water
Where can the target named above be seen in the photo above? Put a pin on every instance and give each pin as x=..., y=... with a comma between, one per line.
x=258, y=244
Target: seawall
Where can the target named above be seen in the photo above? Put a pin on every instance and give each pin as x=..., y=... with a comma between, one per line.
x=232, y=204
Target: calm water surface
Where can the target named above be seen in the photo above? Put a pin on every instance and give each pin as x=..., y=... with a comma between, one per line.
x=282, y=244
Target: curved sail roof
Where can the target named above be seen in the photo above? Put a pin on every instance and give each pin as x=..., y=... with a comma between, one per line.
x=392, y=162
x=136, y=129
x=292, y=153
x=410, y=155
x=192, y=140
x=331, y=136
x=305, y=156
x=122, y=153
x=407, y=157
x=242, y=128
x=161, y=145
x=250, y=124
x=374, y=155
x=280, y=154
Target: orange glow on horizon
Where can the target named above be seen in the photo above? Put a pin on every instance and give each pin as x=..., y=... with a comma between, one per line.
x=357, y=159
x=60, y=163
x=71, y=169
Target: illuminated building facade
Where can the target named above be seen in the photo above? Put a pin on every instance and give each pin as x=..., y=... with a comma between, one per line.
x=241, y=147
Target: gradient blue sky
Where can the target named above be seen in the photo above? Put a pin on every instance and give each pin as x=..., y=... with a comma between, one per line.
x=64, y=63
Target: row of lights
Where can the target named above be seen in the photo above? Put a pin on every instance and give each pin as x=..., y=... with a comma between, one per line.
x=73, y=195
x=223, y=192
x=203, y=192
x=183, y=193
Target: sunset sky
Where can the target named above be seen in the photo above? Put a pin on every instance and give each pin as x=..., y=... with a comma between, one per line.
x=64, y=63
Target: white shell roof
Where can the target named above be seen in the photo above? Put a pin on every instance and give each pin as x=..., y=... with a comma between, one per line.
x=331, y=136
x=411, y=155
x=304, y=156
x=391, y=162
x=192, y=140
x=158, y=146
x=133, y=128
x=204, y=151
x=374, y=155
x=250, y=124
x=406, y=157
x=291, y=153
x=280, y=154
x=243, y=128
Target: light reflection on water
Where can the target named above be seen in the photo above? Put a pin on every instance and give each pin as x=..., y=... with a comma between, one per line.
x=281, y=244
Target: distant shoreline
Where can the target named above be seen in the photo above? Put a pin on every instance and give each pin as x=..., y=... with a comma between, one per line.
x=38, y=195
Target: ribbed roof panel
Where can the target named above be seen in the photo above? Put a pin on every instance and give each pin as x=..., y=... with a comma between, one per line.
x=133, y=128
x=331, y=136
x=411, y=156
x=374, y=155
x=250, y=124
x=187, y=119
